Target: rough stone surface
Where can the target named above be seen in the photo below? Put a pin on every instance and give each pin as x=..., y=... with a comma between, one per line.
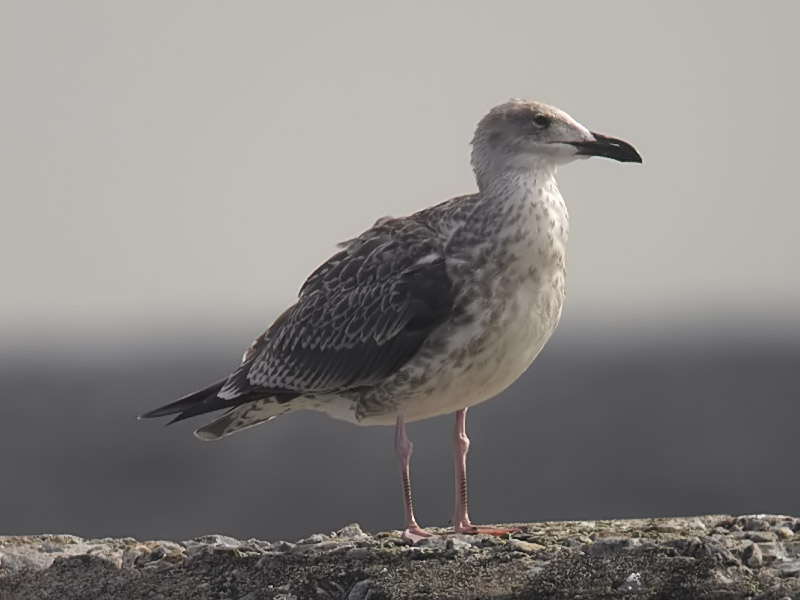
x=715, y=557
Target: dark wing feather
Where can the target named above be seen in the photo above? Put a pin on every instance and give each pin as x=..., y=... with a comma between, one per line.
x=359, y=317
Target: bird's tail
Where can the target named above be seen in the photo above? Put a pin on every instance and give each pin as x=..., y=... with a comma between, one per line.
x=196, y=403
x=243, y=412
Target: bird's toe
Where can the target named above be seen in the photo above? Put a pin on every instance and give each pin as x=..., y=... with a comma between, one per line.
x=414, y=534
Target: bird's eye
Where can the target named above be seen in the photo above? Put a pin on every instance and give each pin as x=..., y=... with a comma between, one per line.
x=541, y=121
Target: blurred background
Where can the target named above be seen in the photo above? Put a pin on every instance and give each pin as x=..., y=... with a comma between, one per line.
x=171, y=173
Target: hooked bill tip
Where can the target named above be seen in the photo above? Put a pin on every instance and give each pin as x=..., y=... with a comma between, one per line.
x=608, y=147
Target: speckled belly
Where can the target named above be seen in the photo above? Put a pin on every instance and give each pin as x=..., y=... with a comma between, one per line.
x=477, y=362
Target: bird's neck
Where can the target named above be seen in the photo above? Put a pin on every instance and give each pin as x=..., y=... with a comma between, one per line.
x=493, y=167
x=524, y=196
x=525, y=209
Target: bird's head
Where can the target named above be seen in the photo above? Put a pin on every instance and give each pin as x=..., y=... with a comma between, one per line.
x=520, y=134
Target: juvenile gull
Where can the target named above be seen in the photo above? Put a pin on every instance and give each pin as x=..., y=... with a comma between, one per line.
x=427, y=314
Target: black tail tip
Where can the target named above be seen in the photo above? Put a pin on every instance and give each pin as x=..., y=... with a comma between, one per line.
x=196, y=403
x=152, y=414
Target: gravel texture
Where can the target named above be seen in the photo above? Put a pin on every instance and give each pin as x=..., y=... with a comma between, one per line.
x=715, y=557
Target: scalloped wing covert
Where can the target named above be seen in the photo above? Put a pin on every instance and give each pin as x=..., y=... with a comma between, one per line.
x=359, y=317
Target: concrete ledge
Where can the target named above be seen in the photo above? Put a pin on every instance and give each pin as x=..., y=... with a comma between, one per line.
x=679, y=558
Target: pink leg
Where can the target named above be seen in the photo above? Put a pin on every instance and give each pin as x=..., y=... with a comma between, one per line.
x=461, y=522
x=403, y=447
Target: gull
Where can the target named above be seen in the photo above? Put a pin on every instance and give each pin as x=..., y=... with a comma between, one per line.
x=427, y=314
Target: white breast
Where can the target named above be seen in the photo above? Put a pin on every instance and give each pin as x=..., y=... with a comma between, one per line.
x=529, y=321
x=530, y=292
x=507, y=349
x=514, y=307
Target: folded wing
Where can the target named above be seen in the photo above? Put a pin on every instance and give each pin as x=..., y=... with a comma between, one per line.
x=360, y=317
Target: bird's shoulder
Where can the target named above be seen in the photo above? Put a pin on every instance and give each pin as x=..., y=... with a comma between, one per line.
x=392, y=245
x=448, y=216
x=391, y=248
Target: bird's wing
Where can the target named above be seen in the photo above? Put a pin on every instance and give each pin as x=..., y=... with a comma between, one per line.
x=359, y=317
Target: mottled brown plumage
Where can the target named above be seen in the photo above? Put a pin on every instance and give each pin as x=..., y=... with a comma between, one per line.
x=426, y=314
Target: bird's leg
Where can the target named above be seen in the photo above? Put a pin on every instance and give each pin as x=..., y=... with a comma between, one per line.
x=403, y=447
x=460, y=448
x=461, y=522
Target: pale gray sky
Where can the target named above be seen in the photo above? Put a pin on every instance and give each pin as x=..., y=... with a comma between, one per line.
x=198, y=158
